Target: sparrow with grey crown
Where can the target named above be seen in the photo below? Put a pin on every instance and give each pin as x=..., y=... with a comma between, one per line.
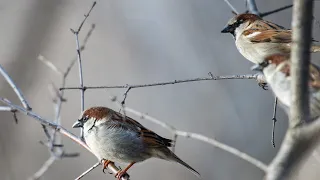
x=276, y=69
x=256, y=38
x=113, y=137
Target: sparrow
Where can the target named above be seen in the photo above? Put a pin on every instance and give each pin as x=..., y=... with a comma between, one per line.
x=276, y=69
x=256, y=38
x=113, y=137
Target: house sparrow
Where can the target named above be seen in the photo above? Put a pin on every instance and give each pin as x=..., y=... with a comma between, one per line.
x=113, y=137
x=256, y=38
x=276, y=69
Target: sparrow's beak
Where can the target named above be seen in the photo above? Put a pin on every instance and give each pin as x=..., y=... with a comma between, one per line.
x=257, y=67
x=227, y=29
x=77, y=124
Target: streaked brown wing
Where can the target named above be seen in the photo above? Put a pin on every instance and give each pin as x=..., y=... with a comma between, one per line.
x=272, y=36
x=149, y=137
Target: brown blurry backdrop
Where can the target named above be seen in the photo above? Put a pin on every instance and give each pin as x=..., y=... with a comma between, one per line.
x=140, y=41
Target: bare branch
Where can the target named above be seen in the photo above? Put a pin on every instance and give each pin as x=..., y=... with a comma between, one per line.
x=125, y=96
x=50, y=64
x=224, y=147
x=274, y=120
x=174, y=140
x=6, y=108
x=300, y=136
x=275, y=11
x=89, y=170
x=258, y=77
x=86, y=16
x=46, y=165
x=231, y=6
x=76, y=33
x=15, y=88
x=252, y=7
x=300, y=60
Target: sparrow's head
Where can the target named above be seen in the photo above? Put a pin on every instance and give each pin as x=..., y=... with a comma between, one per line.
x=239, y=21
x=90, y=115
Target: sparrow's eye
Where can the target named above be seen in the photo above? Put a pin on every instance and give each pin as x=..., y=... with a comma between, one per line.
x=84, y=119
x=240, y=21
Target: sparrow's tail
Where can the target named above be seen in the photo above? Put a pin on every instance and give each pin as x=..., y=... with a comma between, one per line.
x=169, y=155
x=315, y=48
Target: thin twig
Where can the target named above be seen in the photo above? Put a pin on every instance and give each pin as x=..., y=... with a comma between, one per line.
x=6, y=108
x=224, y=147
x=15, y=116
x=54, y=144
x=15, y=88
x=76, y=33
x=252, y=7
x=89, y=170
x=274, y=120
x=83, y=47
x=275, y=11
x=46, y=165
x=86, y=16
x=258, y=77
x=174, y=140
x=125, y=95
x=231, y=6
x=50, y=65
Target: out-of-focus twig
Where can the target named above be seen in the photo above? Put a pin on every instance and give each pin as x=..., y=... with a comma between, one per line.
x=231, y=6
x=252, y=7
x=54, y=140
x=89, y=170
x=43, y=168
x=6, y=108
x=15, y=88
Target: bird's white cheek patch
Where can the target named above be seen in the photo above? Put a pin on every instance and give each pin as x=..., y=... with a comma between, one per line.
x=253, y=34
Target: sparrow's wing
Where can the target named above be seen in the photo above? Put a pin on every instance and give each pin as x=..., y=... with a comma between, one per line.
x=270, y=36
x=149, y=137
x=314, y=76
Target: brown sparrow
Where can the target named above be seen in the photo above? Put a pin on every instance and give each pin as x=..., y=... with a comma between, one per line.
x=256, y=38
x=276, y=69
x=114, y=137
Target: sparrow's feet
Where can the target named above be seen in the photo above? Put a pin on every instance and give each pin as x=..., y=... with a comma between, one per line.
x=105, y=164
x=122, y=173
x=263, y=85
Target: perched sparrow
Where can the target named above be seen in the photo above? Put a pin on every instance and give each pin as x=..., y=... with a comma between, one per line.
x=276, y=69
x=116, y=138
x=256, y=38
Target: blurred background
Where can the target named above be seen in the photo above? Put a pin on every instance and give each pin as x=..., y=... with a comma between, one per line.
x=137, y=42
